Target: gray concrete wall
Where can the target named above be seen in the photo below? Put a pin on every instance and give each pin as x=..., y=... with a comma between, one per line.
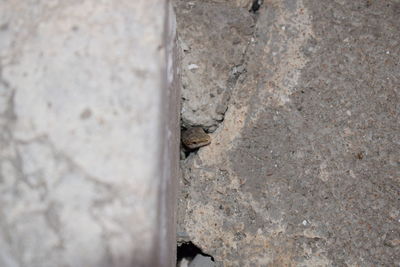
x=88, y=133
x=304, y=169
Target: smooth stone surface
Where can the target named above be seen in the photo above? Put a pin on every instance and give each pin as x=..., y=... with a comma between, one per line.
x=88, y=133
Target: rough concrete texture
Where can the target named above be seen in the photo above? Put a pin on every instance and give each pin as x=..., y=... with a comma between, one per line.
x=305, y=168
x=236, y=3
x=88, y=133
x=202, y=261
x=213, y=38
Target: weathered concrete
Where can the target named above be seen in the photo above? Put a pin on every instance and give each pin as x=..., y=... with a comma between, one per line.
x=213, y=38
x=236, y=3
x=88, y=133
x=305, y=168
x=201, y=261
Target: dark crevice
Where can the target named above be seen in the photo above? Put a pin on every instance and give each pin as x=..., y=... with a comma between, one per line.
x=188, y=152
x=188, y=250
x=255, y=6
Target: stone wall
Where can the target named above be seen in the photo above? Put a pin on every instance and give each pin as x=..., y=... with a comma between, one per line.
x=88, y=133
x=304, y=167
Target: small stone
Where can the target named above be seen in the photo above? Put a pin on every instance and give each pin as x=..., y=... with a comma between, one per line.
x=193, y=67
x=202, y=261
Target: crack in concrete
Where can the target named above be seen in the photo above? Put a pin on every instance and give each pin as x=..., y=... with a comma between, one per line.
x=238, y=72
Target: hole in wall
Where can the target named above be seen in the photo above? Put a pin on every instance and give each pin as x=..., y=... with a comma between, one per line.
x=188, y=251
x=255, y=6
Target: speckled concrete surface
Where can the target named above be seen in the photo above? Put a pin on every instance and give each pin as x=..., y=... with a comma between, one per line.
x=213, y=38
x=305, y=168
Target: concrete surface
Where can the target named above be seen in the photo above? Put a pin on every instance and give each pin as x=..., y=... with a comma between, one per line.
x=305, y=168
x=198, y=261
x=201, y=261
x=246, y=4
x=213, y=38
x=89, y=133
